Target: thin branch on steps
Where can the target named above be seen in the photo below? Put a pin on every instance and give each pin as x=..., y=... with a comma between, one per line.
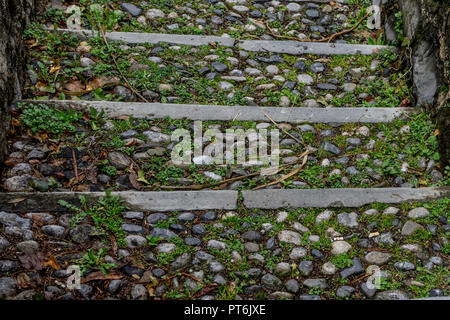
x=328, y=39
x=124, y=78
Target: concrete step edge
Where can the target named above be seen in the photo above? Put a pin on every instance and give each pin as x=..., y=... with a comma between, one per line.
x=227, y=199
x=228, y=113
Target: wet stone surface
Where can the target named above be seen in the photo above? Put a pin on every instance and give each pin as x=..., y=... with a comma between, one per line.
x=281, y=261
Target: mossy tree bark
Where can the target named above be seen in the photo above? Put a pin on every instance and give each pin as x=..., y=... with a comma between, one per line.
x=14, y=15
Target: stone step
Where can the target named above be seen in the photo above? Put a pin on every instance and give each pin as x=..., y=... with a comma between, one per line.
x=141, y=110
x=275, y=46
x=226, y=200
x=107, y=149
x=311, y=20
x=275, y=199
x=318, y=48
x=138, y=201
x=219, y=75
x=155, y=38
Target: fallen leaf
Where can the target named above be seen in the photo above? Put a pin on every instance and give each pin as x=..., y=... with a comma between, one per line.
x=99, y=275
x=82, y=187
x=75, y=86
x=131, y=143
x=134, y=181
x=54, y=69
x=32, y=43
x=32, y=261
x=16, y=201
x=141, y=177
x=92, y=174
x=84, y=47
x=103, y=82
x=23, y=280
x=436, y=132
x=11, y=162
x=52, y=263
x=151, y=291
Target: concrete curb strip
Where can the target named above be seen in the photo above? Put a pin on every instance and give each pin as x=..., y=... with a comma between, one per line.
x=324, y=198
x=319, y=48
x=143, y=201
x=226, y=200
x=242, y=113
x=154, y=38
x=276, y=46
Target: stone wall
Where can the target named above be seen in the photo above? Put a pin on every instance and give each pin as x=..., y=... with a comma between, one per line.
x=426, y=23
x=14, y=15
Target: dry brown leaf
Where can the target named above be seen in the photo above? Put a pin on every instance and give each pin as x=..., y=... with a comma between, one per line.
x=58, y=162
x=16, y=201
x=131, y=143
x=32, y=261
x=82, y=187
x=53, y=69
x=92, y=174
x=133, y=180
x=23, y=280
x=75, y=86
x=84, y=47
x=99, y=275
x=52, y=263
x=103, y=82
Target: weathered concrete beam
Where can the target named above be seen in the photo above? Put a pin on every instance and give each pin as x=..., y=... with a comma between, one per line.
x=319, y=48
x=224, y=199
x=324, y=198
x=139, y=201
x=277, y=46
x=242, y=113
x=154, y=38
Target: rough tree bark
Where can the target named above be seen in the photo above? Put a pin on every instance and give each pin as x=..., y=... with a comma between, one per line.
x=14, y=15
x=426, y=23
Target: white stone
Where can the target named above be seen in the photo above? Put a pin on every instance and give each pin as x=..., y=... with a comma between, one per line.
x=340, y=247
x=152, y=14
x=305, y=79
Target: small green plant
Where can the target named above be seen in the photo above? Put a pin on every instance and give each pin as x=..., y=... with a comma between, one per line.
x=94, y=260
x=153, y=241
x=378, y=41
x=341, y=261
x=106, y=215
x=398, y=27
x=41, y=118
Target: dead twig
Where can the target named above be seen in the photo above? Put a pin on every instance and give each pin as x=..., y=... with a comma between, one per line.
x=279, y=127
x=191, y=276
x=327, y=39
x=286, y=176
x=75, y=165
x=208, y=185
x=124, y=78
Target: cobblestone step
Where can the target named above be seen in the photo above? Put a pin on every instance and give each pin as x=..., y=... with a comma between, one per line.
x=133, y=146
x=337, y=75
x=265, y=20
x=294, y=254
